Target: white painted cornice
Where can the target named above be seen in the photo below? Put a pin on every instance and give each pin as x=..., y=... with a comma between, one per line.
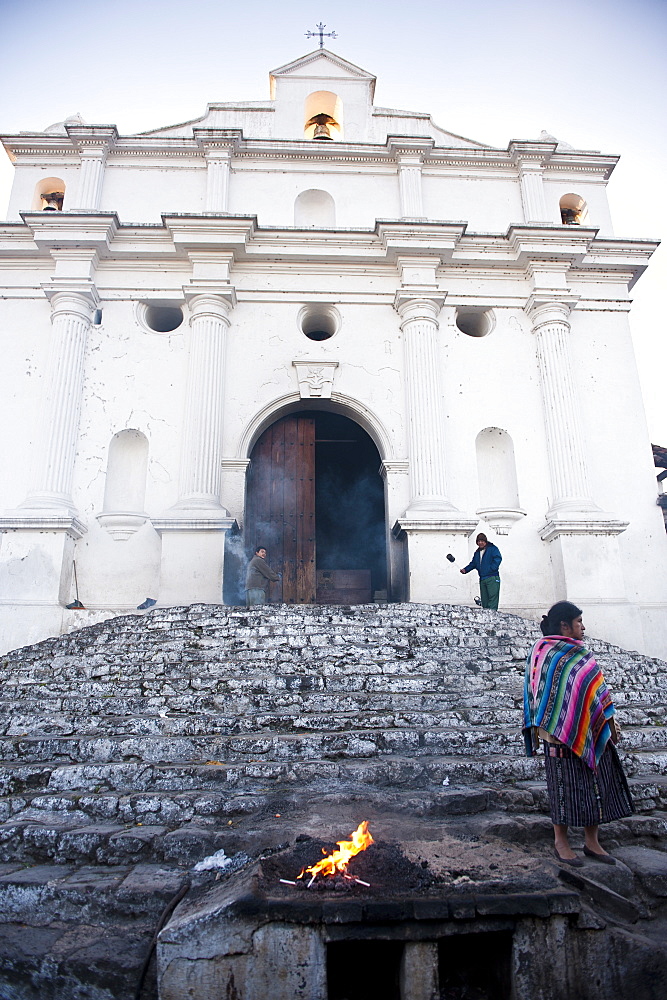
x=549, y=242
x=454, y=524
x=62, y=229
x=630, y=257
x=43, y=520
x=34, y=147
x=92, y=136
x=587, y=524
x=421, y=238
x=512, y=255
x=207, y=230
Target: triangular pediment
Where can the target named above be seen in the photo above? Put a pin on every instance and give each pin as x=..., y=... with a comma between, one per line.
x=326, y=64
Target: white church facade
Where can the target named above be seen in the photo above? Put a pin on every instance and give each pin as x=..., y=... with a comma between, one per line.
x=327, y=327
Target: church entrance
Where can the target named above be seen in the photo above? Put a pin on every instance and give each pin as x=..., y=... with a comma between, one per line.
x=315, y=499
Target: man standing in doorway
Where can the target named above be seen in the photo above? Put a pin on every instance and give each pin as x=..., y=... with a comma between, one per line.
x=258, y=576
x=486, y=560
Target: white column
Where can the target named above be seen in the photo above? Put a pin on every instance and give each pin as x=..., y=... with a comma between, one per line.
x=531, y=179
x=432, y=526
x=218, y=168
x=201, y=456
x=424, y=404
x=565, y=444
x=70, y=322
x=410, y=184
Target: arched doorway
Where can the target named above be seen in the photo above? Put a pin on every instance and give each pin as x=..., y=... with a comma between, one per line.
x=315, y=499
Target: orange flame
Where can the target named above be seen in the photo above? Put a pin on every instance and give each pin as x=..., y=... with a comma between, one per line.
x=338, y=860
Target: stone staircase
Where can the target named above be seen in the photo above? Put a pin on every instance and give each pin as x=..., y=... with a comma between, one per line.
x=136, y=747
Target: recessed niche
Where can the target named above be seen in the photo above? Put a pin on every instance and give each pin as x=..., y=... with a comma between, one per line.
x=319, y=322
x=160, y=318
x=323, y=116
x=475, y=322
x=573, y=210
x=49, y=195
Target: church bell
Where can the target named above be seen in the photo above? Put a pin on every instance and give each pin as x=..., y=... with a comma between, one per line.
x=321, y=123
x=53, y=202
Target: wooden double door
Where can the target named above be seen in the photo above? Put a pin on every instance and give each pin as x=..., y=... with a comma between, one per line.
x=280, y=506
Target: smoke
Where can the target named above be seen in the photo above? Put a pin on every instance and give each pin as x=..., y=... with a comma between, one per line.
x=233, y=587
x=350, y=522
x=239, y=550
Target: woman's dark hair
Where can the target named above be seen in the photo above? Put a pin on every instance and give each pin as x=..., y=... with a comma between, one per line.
x=561, y=612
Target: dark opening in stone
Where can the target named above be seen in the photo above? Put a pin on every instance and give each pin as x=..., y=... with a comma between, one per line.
x=475, y=966
x=364, y=970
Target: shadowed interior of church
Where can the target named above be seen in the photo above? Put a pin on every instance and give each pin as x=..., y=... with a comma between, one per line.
x=315, y=500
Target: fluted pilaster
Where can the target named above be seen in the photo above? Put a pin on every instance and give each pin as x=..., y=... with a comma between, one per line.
x=93, y=143
x=425, y=408
x=565, y=444
x=70, y=322
x=91, y=173
x=410, y=184
x=218, y=168
x=531, y=179
x=202, y=434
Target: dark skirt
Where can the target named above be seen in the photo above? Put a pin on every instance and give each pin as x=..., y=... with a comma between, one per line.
x=581, y=797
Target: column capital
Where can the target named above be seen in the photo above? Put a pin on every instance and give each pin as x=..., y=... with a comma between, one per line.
x=418, y=304
x=217, y=141
x=532, y=155
x=93, y=140
x=543, y=308
x=394, y=467
x=406, y=146
x=72, y=296
x=209, y=298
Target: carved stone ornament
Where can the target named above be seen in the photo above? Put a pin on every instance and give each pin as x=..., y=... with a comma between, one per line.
x=121, y=525
x=315, y=378
x=501, y=519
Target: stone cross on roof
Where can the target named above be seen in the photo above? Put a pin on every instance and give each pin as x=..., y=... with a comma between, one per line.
x=322, y=33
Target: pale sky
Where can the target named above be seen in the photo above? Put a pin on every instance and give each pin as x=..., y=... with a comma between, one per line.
x=590, y=72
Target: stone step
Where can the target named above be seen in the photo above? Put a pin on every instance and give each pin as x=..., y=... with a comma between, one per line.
x=292, y=745
x=293, y=652
x=73, y=932
x=270, y=678
x=99, y=894
x=294, y=718
x=533, y=828
x=488, y=812
x=260, y=775
x=461, y=698
x=171, y=807
x=253, y=775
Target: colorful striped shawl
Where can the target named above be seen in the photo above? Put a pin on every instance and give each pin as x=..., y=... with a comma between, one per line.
x=565, y=693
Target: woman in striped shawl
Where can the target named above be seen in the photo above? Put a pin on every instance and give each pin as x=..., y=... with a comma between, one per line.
x=568, y=707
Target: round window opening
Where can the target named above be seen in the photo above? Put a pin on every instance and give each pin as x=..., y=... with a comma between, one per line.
x=474, y=322
x=163, y=319
x=319, y=322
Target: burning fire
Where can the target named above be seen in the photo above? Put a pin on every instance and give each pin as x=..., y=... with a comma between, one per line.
x=347, y=849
